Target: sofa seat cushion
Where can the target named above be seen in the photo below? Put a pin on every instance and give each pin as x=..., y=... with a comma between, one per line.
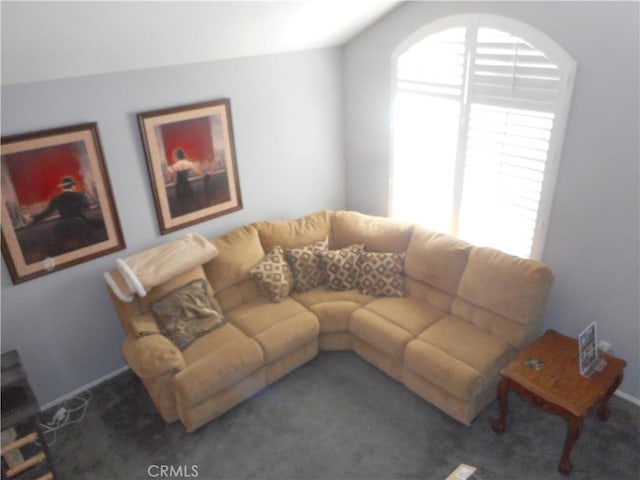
x=288, y=336
x=457, y=356
x=323, y=294
x=279, y=328
x=388, y=324
x=217, y=371
x=226, y=335
x=332, y=307
x=334, y=317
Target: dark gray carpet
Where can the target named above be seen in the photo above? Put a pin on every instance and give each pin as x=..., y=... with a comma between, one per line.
x=336, y=418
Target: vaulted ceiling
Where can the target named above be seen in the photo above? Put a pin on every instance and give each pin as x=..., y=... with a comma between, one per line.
x=54, y=40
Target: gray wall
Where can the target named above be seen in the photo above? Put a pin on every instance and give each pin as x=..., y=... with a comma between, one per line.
x=287, y=119
x=593, y=238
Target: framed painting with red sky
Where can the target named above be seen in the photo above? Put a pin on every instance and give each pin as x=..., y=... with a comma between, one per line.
x=191, y=162
x=57, y=204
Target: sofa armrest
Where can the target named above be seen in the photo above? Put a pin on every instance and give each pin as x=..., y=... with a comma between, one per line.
x=143, y=325
x=152, y=356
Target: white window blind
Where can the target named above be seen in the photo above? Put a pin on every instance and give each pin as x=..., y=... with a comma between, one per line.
x=478, y=120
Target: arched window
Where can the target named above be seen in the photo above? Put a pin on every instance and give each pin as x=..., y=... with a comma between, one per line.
x=480, y=106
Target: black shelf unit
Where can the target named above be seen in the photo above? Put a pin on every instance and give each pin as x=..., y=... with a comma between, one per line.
x=20, y=411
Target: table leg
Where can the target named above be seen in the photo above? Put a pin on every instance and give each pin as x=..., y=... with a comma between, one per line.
x=574, y=428
x=603, y=409
x=500, y=423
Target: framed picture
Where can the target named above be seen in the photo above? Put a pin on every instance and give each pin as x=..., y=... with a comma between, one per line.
x=192, y=164
x=57, y=205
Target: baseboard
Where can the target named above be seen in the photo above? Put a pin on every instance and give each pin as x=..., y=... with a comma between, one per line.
x=628, y=398
x=47, y=406
x=89, y=385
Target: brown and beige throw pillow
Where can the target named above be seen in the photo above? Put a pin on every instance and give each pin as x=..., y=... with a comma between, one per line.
x=381, y=274
x=273, y=275
x=306, y=265
x=342, y=267
x=186, y=313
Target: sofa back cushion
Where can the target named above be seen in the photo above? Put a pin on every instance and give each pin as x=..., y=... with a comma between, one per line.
x=432, y=295
x=513, y=287
x=513, y=333
x=238, y=252
x=237, y=294
x=436, y=259
x=378, y=234
x=294, y=233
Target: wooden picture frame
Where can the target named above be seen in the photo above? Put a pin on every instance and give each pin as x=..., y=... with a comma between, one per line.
x=57, y=204
x=192, y=163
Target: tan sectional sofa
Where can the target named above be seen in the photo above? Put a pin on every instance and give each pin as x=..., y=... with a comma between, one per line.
x=467, y=312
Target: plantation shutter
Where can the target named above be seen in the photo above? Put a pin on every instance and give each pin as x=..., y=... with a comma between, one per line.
x=508, y=72
x=435, y=66
x=512, y=104
x=513, y=91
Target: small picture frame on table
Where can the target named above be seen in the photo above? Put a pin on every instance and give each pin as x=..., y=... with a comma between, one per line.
x=588, y=356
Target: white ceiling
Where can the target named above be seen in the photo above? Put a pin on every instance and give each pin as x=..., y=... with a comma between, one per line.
x=53, y=40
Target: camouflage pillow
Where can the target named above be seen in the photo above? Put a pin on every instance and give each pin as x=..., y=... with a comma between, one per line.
x=186, y=313
x=306, y=265
x=273, y=275
x=342, y=267
x=382, y=274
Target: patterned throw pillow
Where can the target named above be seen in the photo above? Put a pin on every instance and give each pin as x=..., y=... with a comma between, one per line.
x=274, y=275
x=342, y=267
x=186, y=313
x=382, y=274
x=306, y=265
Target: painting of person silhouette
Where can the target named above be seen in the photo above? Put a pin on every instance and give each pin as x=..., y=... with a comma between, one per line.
x=73, y=229
x=182, y=169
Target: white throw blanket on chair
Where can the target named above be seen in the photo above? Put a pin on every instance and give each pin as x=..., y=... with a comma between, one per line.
x=141, y=272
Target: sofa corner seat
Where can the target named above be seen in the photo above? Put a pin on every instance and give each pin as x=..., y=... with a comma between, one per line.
x=468, y=311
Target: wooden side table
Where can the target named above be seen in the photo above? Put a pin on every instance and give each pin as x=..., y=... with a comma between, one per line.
x=558, y=387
